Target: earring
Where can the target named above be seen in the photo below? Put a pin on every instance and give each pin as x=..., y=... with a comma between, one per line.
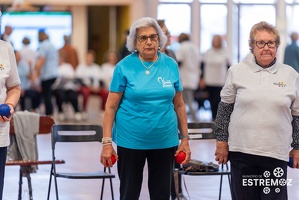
x=136, y=50
x=159, y=47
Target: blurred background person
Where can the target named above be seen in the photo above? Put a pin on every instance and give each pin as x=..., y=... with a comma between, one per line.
x=46, y=68
x=29, y=55
x=123, y=52
x=89, y=74
x=7, y=32
x=188, y=58
x=70, y=52
x=291, y=53
x=176, y=192
x=30, y=98
x=107, y=68
x=65, y=88
x=214, y=66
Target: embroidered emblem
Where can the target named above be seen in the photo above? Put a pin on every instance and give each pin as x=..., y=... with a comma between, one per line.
x=280, y=84
x=1, y=67
x=164, y=83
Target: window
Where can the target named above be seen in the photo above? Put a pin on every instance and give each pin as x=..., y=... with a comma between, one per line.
x=212, y=24
x=176, y=23
x=247, y=20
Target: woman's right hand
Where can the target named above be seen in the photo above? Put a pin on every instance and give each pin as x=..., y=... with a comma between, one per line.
x=221, y=152
x=107, y=152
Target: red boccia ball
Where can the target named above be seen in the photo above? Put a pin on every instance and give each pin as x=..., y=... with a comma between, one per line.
x=4, y=110
x=180, y=157
x=113, y=160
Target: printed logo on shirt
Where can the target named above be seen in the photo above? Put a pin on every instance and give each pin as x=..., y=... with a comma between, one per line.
x=280, y=84
x=166, y=83
x=1, y=67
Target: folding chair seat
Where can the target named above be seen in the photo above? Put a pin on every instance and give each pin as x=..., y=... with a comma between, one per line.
x=71, y=133
x=205, y=131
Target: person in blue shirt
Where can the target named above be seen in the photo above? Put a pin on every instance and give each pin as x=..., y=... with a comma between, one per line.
x=46, y=68
x=144, y=111
x=291, y=54
x=27, y=92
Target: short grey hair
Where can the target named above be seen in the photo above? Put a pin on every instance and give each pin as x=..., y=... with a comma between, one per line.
x=143, y=23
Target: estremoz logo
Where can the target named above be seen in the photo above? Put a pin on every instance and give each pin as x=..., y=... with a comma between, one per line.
x=166, y=83
x=266, y=182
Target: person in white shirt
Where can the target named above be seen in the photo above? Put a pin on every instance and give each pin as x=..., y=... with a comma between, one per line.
x=107, y=68
x=214, y=69
x=89, y=74
x=188, y=58
x=65, y=88
x=258, y=119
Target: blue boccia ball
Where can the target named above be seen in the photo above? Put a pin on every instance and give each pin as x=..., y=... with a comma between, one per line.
x=4, y=110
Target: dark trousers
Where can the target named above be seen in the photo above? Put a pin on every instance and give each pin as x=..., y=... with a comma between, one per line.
x=66, y=96
x=214, y=99
x=3, y=154
x=130, y=170
x=173, y=192
x=258, y=177
x=47, y=95
x=34, y=97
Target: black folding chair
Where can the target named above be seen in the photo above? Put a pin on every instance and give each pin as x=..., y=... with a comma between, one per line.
x=71, y=133
x=205, y=131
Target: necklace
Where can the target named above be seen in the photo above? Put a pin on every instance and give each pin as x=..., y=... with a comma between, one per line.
x=147, y=72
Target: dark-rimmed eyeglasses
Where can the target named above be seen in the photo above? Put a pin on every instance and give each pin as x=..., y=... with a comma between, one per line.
x=261, y=44
x=142, y=39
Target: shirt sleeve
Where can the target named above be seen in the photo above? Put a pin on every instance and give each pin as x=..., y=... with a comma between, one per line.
x=295, y=134
x=222, y=121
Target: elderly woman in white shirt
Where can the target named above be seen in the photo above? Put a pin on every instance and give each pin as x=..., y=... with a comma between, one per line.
x=258, y=119
x=9, y=94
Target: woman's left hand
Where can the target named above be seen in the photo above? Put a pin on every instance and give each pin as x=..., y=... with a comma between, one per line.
x=295, y=155
x=184, y=146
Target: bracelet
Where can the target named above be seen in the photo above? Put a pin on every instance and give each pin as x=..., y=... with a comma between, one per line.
x=105, y=144
x=184, y=136
x=106, y=140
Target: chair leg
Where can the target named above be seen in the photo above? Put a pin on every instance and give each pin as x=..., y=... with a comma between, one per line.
x=220, y=189
x=230, y=185
x=20, y=184
x=111, y=187
x=29, y=185
x=102, y=190
x=56, y=187
x=50, y=183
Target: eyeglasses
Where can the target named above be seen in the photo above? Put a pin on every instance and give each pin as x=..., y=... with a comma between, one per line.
x=261, y=44
x=142, y=39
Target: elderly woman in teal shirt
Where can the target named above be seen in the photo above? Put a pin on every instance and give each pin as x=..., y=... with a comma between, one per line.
x=144, y=110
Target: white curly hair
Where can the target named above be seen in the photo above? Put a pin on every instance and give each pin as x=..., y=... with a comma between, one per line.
x=142, y=23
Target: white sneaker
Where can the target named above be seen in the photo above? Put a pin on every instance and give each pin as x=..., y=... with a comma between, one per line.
x=181, y=197
x=78, y=116
x=61, y=117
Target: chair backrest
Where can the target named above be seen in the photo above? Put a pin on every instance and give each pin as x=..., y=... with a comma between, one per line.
x=201, y=130
x=76, y=133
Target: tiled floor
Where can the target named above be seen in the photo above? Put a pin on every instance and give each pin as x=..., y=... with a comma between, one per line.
x=199, y=188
